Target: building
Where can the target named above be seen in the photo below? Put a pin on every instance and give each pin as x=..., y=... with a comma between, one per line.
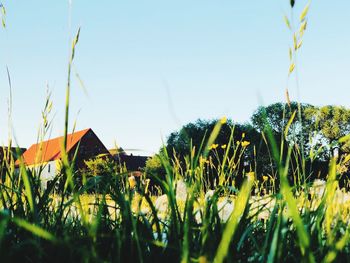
x=47, y=155
x=131, y=162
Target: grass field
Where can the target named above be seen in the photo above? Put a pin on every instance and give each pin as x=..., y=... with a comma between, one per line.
x=268, y=220
x=307, y=222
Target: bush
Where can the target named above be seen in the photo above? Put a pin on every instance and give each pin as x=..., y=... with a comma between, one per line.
x=99, y=173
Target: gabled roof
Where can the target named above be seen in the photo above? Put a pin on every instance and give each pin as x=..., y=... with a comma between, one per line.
x=50, y=150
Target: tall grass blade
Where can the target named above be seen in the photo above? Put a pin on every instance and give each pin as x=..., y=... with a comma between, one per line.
x=233, y=222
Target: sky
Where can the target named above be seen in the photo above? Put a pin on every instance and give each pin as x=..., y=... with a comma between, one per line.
x=151, y=66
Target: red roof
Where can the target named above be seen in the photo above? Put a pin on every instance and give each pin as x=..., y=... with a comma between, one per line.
x=50, y=150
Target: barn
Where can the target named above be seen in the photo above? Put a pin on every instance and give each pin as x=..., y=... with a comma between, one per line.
x=47, y=155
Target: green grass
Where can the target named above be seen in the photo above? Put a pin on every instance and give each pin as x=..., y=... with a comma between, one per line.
x=121, y=225
x=290, y=223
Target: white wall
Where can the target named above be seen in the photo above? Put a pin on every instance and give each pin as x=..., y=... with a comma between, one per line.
x=48, y=173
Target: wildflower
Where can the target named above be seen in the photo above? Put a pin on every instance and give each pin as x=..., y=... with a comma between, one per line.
x=238, y=142
x=243, y=135
x=202, y=160
x=223, y=120
x=245, y=143
x=213, y=146
x=250, y=175
x=132, y=182
x=265, y=178
x=223, y=146
x=202, y=259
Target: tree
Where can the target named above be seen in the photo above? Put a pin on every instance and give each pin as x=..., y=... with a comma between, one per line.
x=192, y=136
x=318, y=132
x=331, y=123
x=99, y=173
x=100, y=166
x=154, y=168
x=197, y=133
x=280, y=116
x=277, y=116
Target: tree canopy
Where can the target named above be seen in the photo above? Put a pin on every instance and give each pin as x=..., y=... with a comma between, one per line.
x=302, y=126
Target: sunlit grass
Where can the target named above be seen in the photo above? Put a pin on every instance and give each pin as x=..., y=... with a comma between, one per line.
x=293, y=223
x=283, y=217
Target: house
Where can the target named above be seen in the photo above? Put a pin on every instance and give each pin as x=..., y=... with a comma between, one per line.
x=134, y=164
x=47, y=155
x=131, y=162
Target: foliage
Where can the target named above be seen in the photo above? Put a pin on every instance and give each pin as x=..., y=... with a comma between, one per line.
x=317, y=134
x=99, y=173
x=277, y=115
x=332, y=123
x=241, y=142
x=100, y=166
x=197, y=133
x=154, y=166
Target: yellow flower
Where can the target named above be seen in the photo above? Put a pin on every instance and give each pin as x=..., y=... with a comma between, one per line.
x=265, y=178
x=250, y=175
x=223, y=146
x=132, y=182
x=202, y=160
x=245, y=143
x=213, y=146
x=243, y=135
x=223, y=120
x=202, y=259
x=238, y=142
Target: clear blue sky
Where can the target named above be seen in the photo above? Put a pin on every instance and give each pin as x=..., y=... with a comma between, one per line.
x=151, y=66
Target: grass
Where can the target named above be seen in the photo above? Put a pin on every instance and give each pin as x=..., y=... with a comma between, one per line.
x=303, y=222
x=121, y=224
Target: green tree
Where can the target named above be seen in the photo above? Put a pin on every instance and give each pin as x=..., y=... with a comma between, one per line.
x=277, y=115
x=196, y=133
x=331, y=123
x=100, y=166
x=192, y=135
x=154, y=168
x=99, y=173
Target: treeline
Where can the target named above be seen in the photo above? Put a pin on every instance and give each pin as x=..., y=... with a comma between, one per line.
x=315, y=135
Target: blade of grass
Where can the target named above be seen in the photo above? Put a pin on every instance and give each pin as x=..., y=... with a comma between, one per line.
x=34, y=229
x=231, y=226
